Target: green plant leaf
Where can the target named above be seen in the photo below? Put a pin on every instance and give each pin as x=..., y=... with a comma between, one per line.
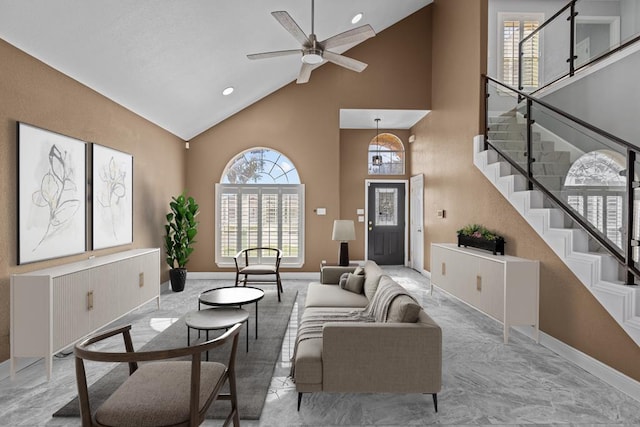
x=180, y=230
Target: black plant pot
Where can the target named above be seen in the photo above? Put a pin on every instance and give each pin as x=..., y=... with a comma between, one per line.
x=178, y=278
x=495, y=246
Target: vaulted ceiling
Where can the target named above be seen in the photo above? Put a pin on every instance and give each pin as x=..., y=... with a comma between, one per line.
x=169, y=60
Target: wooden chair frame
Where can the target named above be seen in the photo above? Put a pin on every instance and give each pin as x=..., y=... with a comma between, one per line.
x=132, y=358
x=241, y=260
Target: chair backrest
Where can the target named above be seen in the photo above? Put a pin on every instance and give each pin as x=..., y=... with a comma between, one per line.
x=259, y=255
x=82, y=352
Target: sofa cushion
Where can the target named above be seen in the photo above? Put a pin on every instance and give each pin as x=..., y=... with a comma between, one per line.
x=403, y=309
x=372, y=274
x=319, y=295
x=354, y=283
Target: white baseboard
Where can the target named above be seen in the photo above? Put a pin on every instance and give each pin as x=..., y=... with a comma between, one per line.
x=606, y=373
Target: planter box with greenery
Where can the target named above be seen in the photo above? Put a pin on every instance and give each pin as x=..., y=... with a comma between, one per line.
x=477, y=236
x=181, y=230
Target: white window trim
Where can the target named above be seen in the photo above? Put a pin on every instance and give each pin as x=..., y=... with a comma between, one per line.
x=519, y=16
x=226, y=262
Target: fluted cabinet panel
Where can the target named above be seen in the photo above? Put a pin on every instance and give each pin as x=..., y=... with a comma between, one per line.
x=53, y=308
x=501, y=286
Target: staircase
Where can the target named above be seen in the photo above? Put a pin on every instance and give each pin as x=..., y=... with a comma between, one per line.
x=598, y=272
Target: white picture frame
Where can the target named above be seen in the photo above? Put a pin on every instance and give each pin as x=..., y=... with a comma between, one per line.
x=112, y=197
x=51, y=194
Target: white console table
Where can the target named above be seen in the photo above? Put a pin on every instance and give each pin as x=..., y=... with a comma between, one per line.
x=501, y=286
x=54, y=307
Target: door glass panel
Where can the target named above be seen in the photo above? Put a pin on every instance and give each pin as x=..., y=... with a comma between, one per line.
x=386, y=206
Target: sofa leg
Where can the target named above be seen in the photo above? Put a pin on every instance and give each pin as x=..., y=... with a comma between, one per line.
x=299, y=400
x=435, y=400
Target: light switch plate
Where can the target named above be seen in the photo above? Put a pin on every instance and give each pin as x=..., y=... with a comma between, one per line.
x=360, y=212
x=361, y=218
x=321, y=211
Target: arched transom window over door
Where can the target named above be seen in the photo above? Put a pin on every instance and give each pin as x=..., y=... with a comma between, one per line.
x=386, y=155
x=260, y=203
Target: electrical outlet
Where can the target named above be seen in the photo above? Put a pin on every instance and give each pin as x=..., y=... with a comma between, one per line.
x=141, y=280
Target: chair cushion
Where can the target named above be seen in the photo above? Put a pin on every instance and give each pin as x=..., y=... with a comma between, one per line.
x=157, y=394
x=258, y=269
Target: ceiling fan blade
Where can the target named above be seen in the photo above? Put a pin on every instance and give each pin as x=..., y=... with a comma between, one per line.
x=290, y=25
x=355, y=35
x=273, y=54
x=344, y=61
x=305, y=73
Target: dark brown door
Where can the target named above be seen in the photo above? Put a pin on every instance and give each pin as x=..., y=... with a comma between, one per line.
x=385, y=223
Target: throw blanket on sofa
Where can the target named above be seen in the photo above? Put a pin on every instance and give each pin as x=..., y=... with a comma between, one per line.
x=311, y=327
x=376, y=311
x=378, y=307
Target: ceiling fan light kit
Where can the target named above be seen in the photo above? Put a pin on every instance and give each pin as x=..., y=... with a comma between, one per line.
x=314, y=52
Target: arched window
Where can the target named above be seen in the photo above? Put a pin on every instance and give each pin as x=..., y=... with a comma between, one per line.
x=260, y=166
x=595, y=188
x=260, y=203
x=386, y=155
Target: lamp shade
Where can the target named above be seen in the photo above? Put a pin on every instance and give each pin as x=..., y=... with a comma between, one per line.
x=343, y=230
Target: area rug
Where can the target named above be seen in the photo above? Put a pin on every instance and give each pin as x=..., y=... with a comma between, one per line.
x=254, y=369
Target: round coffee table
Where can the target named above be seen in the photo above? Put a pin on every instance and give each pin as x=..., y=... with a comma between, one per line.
x=232, y=296
x=215, y=318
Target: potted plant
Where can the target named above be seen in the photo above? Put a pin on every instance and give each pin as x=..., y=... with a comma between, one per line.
x=181, y=230
x=477, y=236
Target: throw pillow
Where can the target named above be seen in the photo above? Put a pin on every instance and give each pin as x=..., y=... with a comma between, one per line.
x=354, y=283
x=403, y=309
x=343, y=279
x=359, y=271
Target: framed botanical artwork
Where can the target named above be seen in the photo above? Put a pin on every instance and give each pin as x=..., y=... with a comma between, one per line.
x=51, y=194
x=112, y=199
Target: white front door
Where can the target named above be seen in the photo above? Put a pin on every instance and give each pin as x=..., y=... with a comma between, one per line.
x=416, y=223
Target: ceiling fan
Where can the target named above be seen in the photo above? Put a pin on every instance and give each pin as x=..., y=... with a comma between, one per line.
x=314, y=51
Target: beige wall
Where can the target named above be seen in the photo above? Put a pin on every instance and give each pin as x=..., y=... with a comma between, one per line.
x=302, y=122
x=354, y=146
x=32, y=92
x=443, y=153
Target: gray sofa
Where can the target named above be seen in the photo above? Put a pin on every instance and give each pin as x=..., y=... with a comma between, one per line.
x=400, y=355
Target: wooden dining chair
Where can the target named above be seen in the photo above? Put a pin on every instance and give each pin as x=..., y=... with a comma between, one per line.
x=259, y=262
x=163, y=392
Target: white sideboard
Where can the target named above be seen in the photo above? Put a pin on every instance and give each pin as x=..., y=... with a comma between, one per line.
x=501, y=286
x=54, y=307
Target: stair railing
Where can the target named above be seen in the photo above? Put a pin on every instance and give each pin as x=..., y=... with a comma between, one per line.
x=625, y=259
x=572, y=8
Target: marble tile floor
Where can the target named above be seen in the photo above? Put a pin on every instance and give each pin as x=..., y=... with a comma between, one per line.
x=485, y=382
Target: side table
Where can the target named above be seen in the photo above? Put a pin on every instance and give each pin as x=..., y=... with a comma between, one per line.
x=215, y=318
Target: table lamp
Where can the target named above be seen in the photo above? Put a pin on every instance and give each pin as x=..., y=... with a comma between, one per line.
x=343, y=231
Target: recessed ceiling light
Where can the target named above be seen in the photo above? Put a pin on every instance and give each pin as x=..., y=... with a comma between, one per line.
x=227, y=91
x=356, y=18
